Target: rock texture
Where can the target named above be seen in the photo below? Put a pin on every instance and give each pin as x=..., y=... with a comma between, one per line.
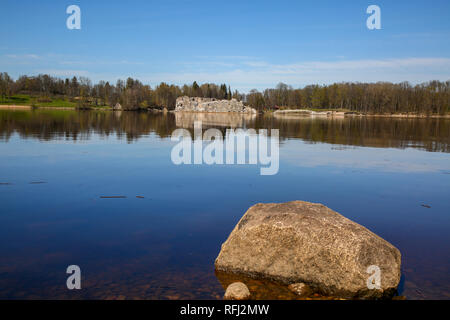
x=237, y=291
x=305, y=242
x=196, y=104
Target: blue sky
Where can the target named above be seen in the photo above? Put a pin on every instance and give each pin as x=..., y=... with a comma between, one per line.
x=247, y=44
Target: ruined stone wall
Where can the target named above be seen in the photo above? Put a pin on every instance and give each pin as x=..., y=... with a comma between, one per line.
x=197, y=104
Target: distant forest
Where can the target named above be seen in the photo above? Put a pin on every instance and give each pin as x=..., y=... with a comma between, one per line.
x=382, y=97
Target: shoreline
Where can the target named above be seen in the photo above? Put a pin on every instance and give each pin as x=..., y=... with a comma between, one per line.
x=21, y=107
x=396, y=115
x=279, y=113
x=417, y=116
x=14, y=107
x=341, y=114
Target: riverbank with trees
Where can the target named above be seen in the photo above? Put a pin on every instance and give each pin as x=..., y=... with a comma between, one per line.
x=381, y=98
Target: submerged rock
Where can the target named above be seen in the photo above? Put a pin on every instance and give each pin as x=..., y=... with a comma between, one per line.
x=305, y=242
x=300, y=289
x=237, y=291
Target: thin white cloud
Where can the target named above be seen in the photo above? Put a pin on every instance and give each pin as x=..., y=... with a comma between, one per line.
x=226, y=57
x=363, y=64
x=22, y=56
x=60, y=59
x=259, y=74
x=99, y=62
x=65, y=72
x=243, y=72
x=256, y=64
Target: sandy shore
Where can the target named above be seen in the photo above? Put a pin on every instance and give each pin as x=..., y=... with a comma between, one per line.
x=14, y=107
x=332, y=114
x=420, y=116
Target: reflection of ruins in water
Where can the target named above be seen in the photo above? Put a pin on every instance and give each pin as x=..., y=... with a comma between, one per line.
x=229, y=120
x=426, y=134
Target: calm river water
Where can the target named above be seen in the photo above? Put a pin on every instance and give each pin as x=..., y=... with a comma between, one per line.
x=161, y=239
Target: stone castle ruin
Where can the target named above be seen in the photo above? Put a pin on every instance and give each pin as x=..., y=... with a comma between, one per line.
x=197, y=104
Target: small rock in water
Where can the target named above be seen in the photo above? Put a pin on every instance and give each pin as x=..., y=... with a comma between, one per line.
x=237, y=291
x=300, y=289
x=112, y=197
x=140, y=197
x=426, y=206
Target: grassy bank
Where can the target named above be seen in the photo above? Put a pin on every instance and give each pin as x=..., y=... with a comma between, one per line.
x=42, y=102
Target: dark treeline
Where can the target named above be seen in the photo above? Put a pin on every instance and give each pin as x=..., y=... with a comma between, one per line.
x=131, y=94
x=383, y=97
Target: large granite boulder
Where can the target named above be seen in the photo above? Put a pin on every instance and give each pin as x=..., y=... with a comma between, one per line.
x=197, y=104
x=305, y=242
